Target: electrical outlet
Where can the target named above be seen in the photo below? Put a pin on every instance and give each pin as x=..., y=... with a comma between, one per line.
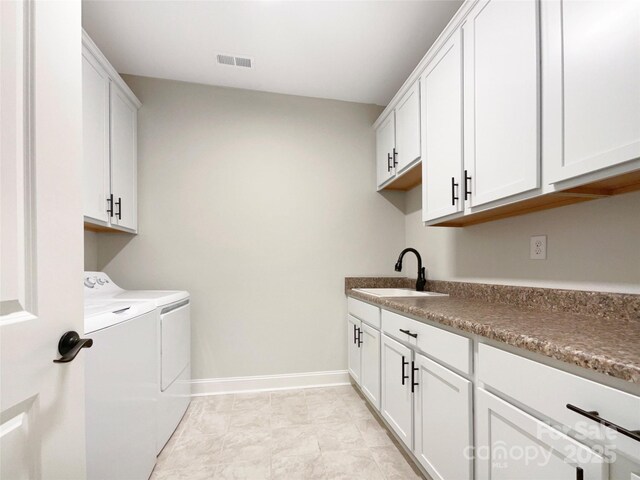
x=538, y=247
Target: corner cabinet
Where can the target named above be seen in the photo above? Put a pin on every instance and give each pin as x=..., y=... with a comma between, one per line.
x=110, y=112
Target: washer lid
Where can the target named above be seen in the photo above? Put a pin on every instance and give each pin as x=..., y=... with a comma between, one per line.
x=160, y=298
x=103, y=313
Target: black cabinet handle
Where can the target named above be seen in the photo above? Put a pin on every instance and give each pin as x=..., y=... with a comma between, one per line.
x=454, y=197
x=389, y=167
x=413, y=377
x=70, y=344
x=354, y=334
x=395, y=154
x=595, y=416
x=359, y=337
x=110, y=202
x=404, y=376
x=579, y=473
x=119, y=212
x=467, y=185
x=414, y=335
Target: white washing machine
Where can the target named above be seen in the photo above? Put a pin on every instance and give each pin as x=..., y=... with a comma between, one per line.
x=120, y=393
x=174, y=341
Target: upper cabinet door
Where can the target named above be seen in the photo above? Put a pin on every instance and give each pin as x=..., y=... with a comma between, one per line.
x=123, y=159
x=407, y=129
x=501, y=85
x=592, y=85
x=442, y=127
x=385, y=146
x=95, y=132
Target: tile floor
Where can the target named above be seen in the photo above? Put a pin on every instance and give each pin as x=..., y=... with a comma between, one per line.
x=307, y=434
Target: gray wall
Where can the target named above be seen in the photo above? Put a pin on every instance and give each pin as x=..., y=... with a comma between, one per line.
x=259, y=204
x=90, y=251
x=590, y=246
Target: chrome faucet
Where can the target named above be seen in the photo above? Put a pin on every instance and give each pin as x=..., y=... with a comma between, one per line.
x=422, y=281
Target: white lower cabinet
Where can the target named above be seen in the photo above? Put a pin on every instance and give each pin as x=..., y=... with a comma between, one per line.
x=353, y=348
x=512, y=445
x=397, y=399
x=443, y=427
x=370, y=364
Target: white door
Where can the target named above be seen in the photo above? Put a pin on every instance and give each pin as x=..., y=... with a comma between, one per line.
x=407, y=148
x=512, y=445
x=442, y=113
x=42, y=403
x=385, y=145
x=370, y=366
x=123, y=159
x=443, y=425
x=592, y=85
x=353, y=347
x=501, y=107
x=95, y=133
x=397, y=399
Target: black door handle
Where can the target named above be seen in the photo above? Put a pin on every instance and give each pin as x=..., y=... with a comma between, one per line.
x=413, y=377
x=414, y=335
x=119, y=212
x=110, y=202
x=579, y=473
x=70, y=344
x=404, y=377
x=395, y=154
x=359, y=337
x=454, y=197
x=354, y=334
x=389, y=167
x=467, y=189
x=595, y=416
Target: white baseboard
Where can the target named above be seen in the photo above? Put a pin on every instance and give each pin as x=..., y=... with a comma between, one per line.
x=217, y=386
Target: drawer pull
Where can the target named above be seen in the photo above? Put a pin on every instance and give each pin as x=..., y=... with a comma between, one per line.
x=404, y=377
x=413, y=377
x=595, y=416
x=414, y=335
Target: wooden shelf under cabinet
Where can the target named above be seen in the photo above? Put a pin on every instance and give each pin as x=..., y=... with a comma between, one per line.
x=406, y=180
x=628, y=182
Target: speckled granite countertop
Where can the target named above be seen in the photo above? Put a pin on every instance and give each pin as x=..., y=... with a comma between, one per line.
x=599, y=342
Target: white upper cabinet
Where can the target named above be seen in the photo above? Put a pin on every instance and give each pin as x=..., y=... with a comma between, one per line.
x=407, y=148
x=123, y=159
x=592, y=85
x=442, y=129
x=385, y=146
x=95, y=111
x=110, y=111
x=501, y=86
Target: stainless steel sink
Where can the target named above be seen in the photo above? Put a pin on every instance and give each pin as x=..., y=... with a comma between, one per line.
x=397, y=292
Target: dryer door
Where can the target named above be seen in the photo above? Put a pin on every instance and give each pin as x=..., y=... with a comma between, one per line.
x=175, y=334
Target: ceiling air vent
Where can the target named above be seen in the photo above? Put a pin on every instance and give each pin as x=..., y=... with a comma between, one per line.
x=235, y=61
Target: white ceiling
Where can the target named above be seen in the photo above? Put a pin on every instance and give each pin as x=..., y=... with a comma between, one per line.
x=360, y=51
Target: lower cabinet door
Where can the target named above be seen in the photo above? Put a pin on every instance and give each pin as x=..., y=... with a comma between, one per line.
x=397, y=399
x=443, y=425
x=512, y=445
x=353, y=347
x=370, y=366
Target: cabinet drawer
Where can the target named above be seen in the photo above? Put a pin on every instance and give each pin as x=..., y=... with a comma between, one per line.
x=548, y=391
x=364, y=311
x=447, y=347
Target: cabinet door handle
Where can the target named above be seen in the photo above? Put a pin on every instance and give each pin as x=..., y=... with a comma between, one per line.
x=413, y=377
x=395, y=154
x=119, y=212
x=595, y=416
x=404, y=376
x=467, y=185
x=454, y=197
x=360, y=342
x=110, y=203
x=389, y=167
x=354, y=334
x=414, y=335
x=579, y=473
